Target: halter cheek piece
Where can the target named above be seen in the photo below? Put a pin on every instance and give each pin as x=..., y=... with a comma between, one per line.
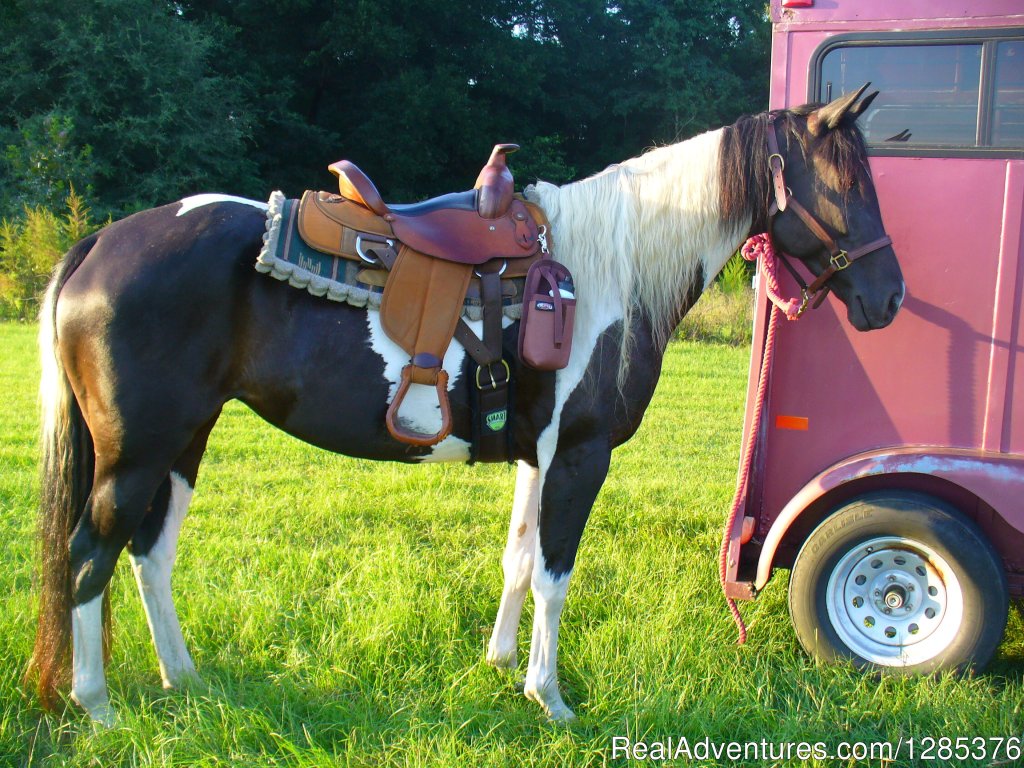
x=838, y=258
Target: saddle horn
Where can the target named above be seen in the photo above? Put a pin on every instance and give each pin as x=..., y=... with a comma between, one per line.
x=494, y=184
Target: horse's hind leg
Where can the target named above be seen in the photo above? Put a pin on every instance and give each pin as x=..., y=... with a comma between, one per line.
x=517, y=565
x=153, y=550
x=152, y=571
x=116, y=505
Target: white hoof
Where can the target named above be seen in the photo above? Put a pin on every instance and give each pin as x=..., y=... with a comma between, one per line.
x=97, y=708
x=550, y=700
x=184, y=679
x=502, y=660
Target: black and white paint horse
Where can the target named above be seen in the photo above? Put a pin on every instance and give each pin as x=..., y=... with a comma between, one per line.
x=151, y=325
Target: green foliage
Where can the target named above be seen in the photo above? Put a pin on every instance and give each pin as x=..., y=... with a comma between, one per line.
x=45, y=164
x=142, y=90
x=29, y=249
x=720, y=317
x=724, y=314
x=735, y=275
x=139, y=102
x=543, y=158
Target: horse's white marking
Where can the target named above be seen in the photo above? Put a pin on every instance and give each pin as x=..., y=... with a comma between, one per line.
x=517, y=566
x=420, y=411
x=542, y=674
x=153, y=576
x=189, y=204
x=88, y=682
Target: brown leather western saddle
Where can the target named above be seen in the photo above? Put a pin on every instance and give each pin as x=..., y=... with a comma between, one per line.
x=432, y=250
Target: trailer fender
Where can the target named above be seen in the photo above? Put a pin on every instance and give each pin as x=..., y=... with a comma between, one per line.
x=997, y=479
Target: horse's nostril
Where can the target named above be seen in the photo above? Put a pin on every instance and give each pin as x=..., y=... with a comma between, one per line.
x=894, y=306
x=896, y=301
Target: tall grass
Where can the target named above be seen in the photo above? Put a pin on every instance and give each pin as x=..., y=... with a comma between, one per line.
x=724, y=314
x=338, y=611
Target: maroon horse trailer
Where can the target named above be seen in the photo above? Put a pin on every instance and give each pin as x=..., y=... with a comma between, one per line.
x=888, y=467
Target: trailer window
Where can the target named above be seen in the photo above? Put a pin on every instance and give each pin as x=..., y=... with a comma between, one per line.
x=928, y=94
x=1008, y=104
x=964, y=95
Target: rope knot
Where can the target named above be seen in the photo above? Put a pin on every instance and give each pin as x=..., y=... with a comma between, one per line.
x=756, y=246
x=760, y=248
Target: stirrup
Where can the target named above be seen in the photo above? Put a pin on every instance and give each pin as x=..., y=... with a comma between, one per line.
x=420, y=438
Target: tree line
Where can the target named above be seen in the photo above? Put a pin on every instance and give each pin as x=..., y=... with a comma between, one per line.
x=136, y=103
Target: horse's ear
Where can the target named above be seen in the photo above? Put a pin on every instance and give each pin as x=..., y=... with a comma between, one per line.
x=861, y=106
x=832, y=114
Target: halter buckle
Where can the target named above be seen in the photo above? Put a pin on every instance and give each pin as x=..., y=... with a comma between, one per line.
x=782, y=162
x=840, y=261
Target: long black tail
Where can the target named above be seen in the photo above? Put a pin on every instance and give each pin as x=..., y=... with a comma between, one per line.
x=66, y=467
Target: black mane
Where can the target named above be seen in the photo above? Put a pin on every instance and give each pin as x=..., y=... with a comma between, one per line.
x=743, y=162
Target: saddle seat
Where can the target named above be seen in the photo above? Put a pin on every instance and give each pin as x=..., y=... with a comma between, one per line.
x=470, y=227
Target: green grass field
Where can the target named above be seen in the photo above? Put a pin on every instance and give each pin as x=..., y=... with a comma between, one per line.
x=338, y=611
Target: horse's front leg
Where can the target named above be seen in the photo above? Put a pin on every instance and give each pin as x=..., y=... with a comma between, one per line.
x=517, y=565
x=569, y=487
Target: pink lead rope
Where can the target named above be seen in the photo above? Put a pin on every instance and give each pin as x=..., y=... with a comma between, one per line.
x=758, y=248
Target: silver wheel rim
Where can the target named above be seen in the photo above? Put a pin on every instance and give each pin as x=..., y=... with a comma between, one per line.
x=894, y=602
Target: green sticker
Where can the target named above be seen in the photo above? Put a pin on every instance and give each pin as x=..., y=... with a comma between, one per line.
x=496, y=420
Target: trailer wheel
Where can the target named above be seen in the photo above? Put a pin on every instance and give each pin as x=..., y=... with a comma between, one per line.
x=899, y=580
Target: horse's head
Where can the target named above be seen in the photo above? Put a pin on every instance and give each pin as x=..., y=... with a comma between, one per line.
x=827, y=211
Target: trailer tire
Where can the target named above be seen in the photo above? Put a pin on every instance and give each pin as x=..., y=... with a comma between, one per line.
x=899, y=581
